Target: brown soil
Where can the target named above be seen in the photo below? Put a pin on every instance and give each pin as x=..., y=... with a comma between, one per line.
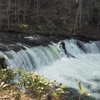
x=10, y=93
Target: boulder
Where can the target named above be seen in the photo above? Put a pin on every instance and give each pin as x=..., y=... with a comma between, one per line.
x=2, y=59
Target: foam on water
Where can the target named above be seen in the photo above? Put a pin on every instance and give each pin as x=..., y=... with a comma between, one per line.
x=86, y=68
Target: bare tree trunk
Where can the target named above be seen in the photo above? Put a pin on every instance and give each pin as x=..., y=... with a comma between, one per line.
x=37, y=10
x=1, y=14
x=25, y=6
x=15, y=10
x=78, y=23
x=18, y=13
x=80, y=6
x=76, y=20
x=69, y=7
x=8, y=13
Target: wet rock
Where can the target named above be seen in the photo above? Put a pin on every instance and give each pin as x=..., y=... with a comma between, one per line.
x=73, y=94
x=81, y=46
x=2, y=59
x=12, y=41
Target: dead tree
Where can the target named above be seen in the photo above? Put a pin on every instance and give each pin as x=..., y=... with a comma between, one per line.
x=7, y=12
x=78, y=19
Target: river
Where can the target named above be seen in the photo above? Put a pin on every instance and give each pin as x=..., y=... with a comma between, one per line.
x=80, y=63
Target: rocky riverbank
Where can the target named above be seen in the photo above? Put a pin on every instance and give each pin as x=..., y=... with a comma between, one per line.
x=13, y=41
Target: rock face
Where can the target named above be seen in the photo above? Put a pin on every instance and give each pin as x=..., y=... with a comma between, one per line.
x=73, y=94
x=18, y=41
x=2, y=59
x=13, y=41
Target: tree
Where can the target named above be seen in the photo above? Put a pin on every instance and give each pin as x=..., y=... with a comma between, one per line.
x=78, y=24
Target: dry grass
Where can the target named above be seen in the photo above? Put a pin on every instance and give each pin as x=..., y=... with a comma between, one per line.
x=10, y=93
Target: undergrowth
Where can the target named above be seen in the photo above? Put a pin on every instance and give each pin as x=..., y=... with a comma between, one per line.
x=33, y=84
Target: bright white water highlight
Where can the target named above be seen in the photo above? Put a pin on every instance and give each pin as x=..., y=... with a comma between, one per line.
x=52, y=62
x=86, y=68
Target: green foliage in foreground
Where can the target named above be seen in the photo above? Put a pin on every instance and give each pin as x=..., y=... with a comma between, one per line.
x=34, y=84
x=6, y=75
x=39, y=86
x=82, y=91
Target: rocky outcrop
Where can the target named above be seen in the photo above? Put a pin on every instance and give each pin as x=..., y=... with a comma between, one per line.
x=2, y=59
x=73, y=94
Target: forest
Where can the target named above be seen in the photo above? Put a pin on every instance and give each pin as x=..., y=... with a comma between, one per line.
x=52, y=16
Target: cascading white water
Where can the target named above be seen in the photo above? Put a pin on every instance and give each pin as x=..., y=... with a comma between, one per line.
x=52, y=62
x=32, y=58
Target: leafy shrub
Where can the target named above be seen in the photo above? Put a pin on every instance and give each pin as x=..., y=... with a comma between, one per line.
x=32, y=83
x=39, y=85
x=6, y=75
x=82, y=91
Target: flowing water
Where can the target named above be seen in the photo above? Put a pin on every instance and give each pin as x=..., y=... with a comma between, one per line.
x=52, y=62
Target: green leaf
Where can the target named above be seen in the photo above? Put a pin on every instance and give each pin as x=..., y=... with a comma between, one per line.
x=81, y=89
x=55, y=94
x=79, y=85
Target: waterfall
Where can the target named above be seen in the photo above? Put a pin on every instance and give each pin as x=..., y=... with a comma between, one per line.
x=76, y=47
x=52, y=62
x=35, y=57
